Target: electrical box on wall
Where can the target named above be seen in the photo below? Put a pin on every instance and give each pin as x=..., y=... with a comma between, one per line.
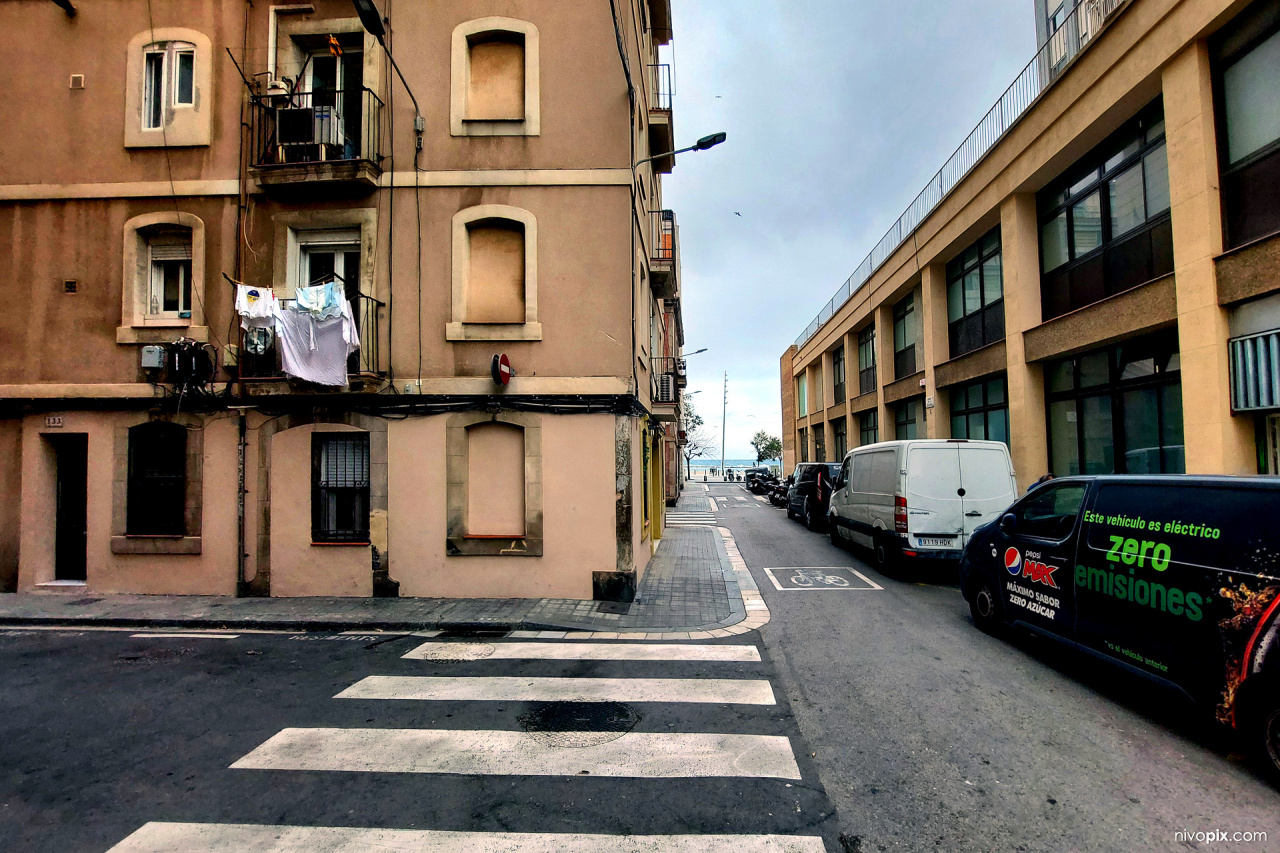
x=152, y=358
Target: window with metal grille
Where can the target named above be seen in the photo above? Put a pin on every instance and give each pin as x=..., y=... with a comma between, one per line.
x=837, y=375
x=340, y=487
x=904, y=337
x=868, y=427
x=867, y=360
x=975, y=296
x=156, y=496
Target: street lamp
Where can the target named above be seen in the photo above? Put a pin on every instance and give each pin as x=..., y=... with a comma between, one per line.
x=371, y=20
x=701, y=145
x=695, y=352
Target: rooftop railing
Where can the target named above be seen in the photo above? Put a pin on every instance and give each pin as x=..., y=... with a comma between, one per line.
x=1064, y=44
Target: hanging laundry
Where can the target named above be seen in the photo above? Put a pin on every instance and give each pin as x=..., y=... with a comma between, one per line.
x=256, y=306
x=257, y=339
x=313, y=349
x=324, y=301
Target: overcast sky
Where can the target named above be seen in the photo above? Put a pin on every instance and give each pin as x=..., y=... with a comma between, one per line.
x=838, y=112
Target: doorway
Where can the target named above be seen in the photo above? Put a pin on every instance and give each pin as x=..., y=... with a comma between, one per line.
x=71, y=460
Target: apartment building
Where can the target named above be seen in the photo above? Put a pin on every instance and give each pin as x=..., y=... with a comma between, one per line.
x=1094, y=275
x=289, y=318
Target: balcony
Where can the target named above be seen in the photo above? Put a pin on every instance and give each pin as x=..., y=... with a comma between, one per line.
x=665, y=383
x=660, y=20
x=664, y=254
x=319, y=142
x=263, y=375
x=662, y=135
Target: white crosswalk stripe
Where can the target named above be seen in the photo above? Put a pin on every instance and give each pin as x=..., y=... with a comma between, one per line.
x=728, y=691
x=691, y=519
x=503, y=753
x=586, y=651
x=257, y=838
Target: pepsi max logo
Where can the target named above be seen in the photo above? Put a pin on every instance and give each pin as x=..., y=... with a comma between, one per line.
x=1032, y=570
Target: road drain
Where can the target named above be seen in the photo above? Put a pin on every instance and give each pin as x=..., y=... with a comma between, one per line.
x=573, y=725
x=455, y=651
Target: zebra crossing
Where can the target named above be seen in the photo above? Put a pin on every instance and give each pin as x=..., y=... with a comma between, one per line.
x=694, y=723
x=690, y=518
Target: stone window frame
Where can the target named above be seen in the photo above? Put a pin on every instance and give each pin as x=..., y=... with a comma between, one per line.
x=289, y=224
x=190, y=542
x=460, y=80
x=459, y=329
x=457, y=543
x=136, y=325
x=181, y=126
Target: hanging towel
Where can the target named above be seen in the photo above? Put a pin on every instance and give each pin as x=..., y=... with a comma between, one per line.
x=316, y=350
x=256, y=306
x=324, y=301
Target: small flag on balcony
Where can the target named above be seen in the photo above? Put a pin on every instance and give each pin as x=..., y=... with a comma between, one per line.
x=335, y=49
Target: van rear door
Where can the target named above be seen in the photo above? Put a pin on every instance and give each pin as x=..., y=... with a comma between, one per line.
x=935, y=509
x=988, y=486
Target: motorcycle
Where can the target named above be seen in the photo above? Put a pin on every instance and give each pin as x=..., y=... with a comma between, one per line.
x=778, y=494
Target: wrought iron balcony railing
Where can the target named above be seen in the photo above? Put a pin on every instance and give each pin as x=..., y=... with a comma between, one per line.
x=365, y=362
x=315, y=126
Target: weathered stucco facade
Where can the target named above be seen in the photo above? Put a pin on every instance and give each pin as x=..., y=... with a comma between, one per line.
x=153, y=162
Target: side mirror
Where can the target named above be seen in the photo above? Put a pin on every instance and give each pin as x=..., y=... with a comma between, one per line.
x=1008, y=523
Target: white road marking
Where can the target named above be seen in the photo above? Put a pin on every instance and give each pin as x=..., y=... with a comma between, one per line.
x=192, y=636
x=739, y=498
x=762, y=500
x=739, y=691
x=871, y=585
x=596, y=651
x=258, y=838
x=499, y=753
x=715, y=507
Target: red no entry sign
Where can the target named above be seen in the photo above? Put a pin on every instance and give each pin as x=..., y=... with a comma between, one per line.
x=501, y=369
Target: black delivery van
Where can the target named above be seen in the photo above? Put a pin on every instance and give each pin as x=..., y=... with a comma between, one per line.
x=1175, y=578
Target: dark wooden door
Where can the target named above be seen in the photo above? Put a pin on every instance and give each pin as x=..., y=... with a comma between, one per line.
x=72, y=453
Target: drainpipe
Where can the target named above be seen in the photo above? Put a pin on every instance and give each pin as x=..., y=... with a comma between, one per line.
x=241, y=444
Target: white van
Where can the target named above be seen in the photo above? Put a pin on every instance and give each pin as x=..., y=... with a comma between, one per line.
x=920, y=498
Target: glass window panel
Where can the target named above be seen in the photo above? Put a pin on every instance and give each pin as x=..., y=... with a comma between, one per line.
x=1053, y=242
x=1127, y=208
x=1086, y=224
x=998, y=425
x=1155, y=131
x=955, y=301
x=1064, y=452
x=1173, y=451
x=992, y=280
x=1123, y=154
x=959, y=426
x=972, y=292
x=1137, y=368
x=1060, y=375
x=1141, y=432
x=153, y=91
x=1175, y=363
x=1156, y=169
x=1084, y=183
x=977, y=425
x=1095, y=369
x=184, y=91
x=991, y=243
x=172, y=297
x=975, y=396
x=971, y=257
x=1252, y=100
x=1099, y=435
x=957, y=399
x=995, y=392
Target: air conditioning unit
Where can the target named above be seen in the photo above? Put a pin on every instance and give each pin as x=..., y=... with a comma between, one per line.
x=296, y=126
x=666, y=388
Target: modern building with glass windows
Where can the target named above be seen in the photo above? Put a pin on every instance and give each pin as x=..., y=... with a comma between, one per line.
x=1094, y=275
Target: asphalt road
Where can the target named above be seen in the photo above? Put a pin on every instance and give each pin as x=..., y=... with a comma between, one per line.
x=931, y=735
x=102, y=734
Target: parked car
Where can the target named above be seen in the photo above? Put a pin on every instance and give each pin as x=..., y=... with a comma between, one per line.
x=810, y=492
x=920, y=499
x=1172, y=578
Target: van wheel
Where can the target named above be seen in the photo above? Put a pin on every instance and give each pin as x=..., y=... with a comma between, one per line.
x=886, y=555
x=985, y=608
x=790, y=514
x=809, y=521
x=834, y=531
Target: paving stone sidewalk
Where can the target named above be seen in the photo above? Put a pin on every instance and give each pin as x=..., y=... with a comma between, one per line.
x=689, y=585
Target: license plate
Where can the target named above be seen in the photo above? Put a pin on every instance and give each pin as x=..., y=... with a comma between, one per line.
x=937, y=543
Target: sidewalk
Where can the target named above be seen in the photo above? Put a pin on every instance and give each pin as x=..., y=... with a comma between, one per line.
x=691, y=585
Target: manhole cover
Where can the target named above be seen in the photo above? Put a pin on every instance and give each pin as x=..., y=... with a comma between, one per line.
x=573, y=725
x=455, y=651
x=153, y=655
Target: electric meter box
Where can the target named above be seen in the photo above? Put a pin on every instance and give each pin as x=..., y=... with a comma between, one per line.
x=152, y=358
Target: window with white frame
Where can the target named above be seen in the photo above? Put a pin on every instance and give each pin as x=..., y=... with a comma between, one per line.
x=332, y=255
x=169, y=287
x=168, y=81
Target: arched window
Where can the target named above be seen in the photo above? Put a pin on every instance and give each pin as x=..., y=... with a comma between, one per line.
x=168, y=88
x=156, y=499
x=163, y=278
x=495, y=275
x=495, y=480
x=494, y=79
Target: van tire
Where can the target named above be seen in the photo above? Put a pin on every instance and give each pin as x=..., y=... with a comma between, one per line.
x=834, y=531
x=810, y=522
x=885, y=553
x=1265, y=732
x=986, y=609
